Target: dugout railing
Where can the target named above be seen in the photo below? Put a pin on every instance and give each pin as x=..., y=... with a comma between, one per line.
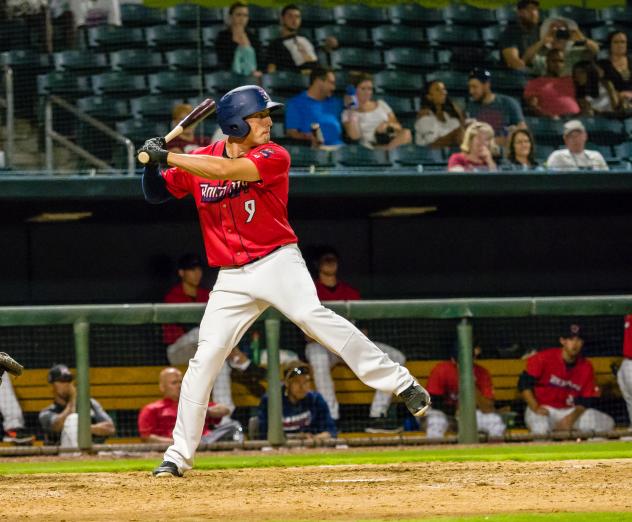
x=463, y=311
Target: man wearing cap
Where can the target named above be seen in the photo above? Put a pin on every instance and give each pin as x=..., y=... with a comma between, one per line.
x=60, y=420
x=500, y=111
x=520, y=42
x=575, y=156
x=559, y=388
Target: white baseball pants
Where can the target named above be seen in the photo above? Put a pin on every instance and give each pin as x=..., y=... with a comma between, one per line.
x=590, y=420
x=240, y=295
x=437, y=423
x=624, y=378
x=12, y=417
x=322, y=361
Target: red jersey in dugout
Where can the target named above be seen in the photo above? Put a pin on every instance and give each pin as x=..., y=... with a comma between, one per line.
x=172, y=332
x=558, y=384
x=627, y=337
x=159, y=418
x=444, y=381
x=240, y=221
x=341, y=292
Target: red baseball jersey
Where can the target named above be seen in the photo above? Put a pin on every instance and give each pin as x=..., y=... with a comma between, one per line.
x=557, y=383
x=444, y=381
x=627, y=336
x=341, y=292
x=240, y=221
x=172, y=332
x=159, y=418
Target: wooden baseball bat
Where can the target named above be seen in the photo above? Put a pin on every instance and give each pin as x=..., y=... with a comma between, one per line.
x=198, y=113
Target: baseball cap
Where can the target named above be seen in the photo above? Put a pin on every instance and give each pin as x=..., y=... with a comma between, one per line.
x=59, y=373
x=188, y=261
x=573, y=330
x=521, y=4
x=572, y=126
x=480, y=74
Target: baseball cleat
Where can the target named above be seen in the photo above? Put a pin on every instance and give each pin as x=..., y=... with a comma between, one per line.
x=416, y=399
x=167, y=469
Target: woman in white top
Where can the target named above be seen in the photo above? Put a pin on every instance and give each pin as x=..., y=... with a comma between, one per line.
x=439, y=122
x=372, y=122
x=595, y=95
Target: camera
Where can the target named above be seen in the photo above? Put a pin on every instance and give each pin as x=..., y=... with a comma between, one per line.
x=562, y=34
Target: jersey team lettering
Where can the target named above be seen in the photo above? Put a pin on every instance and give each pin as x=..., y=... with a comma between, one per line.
x=211, y=193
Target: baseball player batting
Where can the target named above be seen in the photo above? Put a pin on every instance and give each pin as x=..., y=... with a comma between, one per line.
x=240, y=186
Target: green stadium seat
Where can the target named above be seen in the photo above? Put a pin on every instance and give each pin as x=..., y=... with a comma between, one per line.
x=584, y=17
x=137, y=15
x=398, y=36
x=152, y=107
x=164, y=37
x=268, y=33
x=105, y=38
x=305, y=157
x=604, y=130
x=463, y=14
x=315, y=16
x=410, y=59
x=191, y=60
x=353, y=58
x=627, y=125
x=455, y=81
x=414, y=155
x=601, y=32
x=175, y=83
x=359, y=156
x=491, y=35
x=63, y=84
x=209, y=35
x=25, y=59
x=105, y=109
x=415, y=15
x=617, y=15
x=401, y=105
x=397, y=82
x=506, y=14
x=509, y=82
x=359, y=15
x=285, y=83
x=140, y=130
x=542, y=152
x=604, y=149
x=262, y=16
x=80, y=61
x=454, y=36
x=221, y=82
x=347, y=36
x=135, y=61
x=119, y=84
x=623, y=151
x=545, y=130
x=192, y=15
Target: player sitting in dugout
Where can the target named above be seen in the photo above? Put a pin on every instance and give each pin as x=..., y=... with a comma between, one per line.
x=559, y=388
x=443, y=386
x=305, y=412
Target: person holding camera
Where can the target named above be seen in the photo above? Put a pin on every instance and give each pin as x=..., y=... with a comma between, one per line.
x=371, y=122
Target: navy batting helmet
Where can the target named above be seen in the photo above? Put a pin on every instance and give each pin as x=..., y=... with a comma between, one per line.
x=243, y=101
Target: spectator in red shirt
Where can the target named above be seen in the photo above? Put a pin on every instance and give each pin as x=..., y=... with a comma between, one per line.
x=559, y=388
x=477, y=150
x=552, y=95
x=624, y=375
x=157, y=419
x=443, y=387
x=330, y=288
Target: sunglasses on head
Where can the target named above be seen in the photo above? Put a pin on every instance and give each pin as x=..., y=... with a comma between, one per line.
x=294, y=372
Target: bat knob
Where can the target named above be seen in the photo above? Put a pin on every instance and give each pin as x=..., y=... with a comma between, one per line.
x=143, y=157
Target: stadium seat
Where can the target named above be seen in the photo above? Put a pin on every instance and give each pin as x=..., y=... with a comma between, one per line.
x=175, y=83
x=410, y=59
x=107, y=110
x=80, y=61
x=347, y=36
x=604, y=149
x=463, y=14
x=164, y=37
x=454, y=36
x=398, y=36
x=619, y=15
x=119, y=84
x=304, y=157
x=401, y=105
x=105, y=38
x=545, y=130
x=192, y=15
x=359, y=156
x=285, y=83
x=358, y=15
x=600, y=33
x=261, y=16
x=414, y=155
x=583, y=17
x=506, y=14
x=623, y=151
x=491, y=35
x=455, y=81
x=270, y=32
x=209, y=35
x=415, y=15
x=155, y=108
x=137, y=15
x=191, y=60
x=135, y=61
x=140, y=130
x=315, y=16
x=25, y=59
x=220, y=82
x=63, y=84
x=509, y=82
x=396, y=82
x=604, y=130
x=360, y=59
x=542, y=152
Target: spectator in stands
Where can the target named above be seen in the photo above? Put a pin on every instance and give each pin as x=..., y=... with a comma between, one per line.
x=521, y=151
x=575, y=156
x=624, y=374
x=564, y=35
x=60, y=420
x=188, y=141
x=182, y=344
x=440, y=123
x=443, y=387
x=12, y=416
x=291, y=51
x=552, y=95
x=616, y=67
x=502, y=112
x=330, y=288
x=238, y=48
x=520, y=42
x=67, y=16
x=559, y=388
x=157, y=420
x=477, y=150
x=372, y=122
x=305, y=412
x=316, y=109
x=595, y=95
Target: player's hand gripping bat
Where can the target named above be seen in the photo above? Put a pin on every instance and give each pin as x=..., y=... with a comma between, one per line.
x=199, y=112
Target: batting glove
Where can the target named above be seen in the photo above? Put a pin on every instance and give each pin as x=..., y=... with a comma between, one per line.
x=155, y=148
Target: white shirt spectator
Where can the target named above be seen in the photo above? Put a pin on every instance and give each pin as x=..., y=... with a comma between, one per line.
x=429, y=128
x=368, y=121
x=563, y=159
x=301, y=49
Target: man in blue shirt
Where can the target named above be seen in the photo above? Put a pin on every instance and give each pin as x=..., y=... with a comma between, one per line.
x=305, y=412
x=316, y=105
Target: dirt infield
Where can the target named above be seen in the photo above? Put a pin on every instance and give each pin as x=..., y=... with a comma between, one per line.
x=324, y=493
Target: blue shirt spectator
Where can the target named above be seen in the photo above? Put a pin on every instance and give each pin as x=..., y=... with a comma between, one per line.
x=316, y=105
